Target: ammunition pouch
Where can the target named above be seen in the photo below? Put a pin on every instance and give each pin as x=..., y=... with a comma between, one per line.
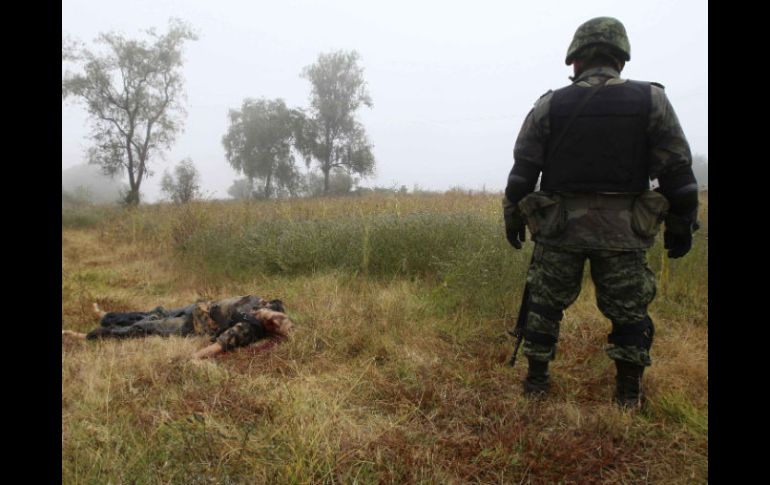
x=544, y=213
x=648, y=211
x=638, y=334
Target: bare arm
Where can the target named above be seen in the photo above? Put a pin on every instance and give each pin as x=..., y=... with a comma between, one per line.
x=210, y=351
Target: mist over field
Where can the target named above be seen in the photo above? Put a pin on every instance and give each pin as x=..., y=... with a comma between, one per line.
x=450, y=82
x=88, y=184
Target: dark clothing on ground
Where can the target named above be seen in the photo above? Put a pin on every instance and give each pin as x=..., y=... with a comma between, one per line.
x=124, y=319
x=229, y=321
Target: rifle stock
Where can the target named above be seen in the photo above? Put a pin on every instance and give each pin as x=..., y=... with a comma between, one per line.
x=521, y=324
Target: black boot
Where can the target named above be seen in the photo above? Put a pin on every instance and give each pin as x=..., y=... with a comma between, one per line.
x=628, y=380
x=536, y=384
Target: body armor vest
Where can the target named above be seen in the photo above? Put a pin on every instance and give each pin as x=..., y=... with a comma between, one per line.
x=605, y=148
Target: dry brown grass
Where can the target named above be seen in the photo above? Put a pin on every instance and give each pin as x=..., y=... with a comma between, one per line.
x=377, y=385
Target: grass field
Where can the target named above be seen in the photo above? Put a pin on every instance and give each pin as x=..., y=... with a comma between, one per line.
x=396, y=371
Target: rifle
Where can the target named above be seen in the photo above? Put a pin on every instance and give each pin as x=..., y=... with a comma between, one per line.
x=521, y=324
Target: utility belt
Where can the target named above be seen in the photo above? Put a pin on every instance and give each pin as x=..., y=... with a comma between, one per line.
x=622, y=221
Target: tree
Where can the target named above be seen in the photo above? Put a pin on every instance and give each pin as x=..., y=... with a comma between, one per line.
x=340, y=182
x=133, y=95
x=259, y=143
x=241, y=189
x=184, y=185
x=331, y=134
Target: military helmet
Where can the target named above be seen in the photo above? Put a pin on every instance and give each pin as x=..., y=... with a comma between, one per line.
x=600, y=30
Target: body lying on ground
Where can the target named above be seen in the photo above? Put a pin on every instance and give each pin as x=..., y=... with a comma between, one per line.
x=233, y=322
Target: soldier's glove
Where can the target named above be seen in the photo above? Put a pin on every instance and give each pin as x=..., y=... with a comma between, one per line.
x=677, y=238
x=677, y=244
x=515, y=230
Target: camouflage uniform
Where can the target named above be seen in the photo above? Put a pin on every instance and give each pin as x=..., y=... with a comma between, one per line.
x=219, y=319
x=600, y=227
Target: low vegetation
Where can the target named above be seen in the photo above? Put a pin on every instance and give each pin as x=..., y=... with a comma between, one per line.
x=397, y=370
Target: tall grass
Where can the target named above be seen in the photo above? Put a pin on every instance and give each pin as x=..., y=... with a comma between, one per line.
x=396, y=372
x=455, y=241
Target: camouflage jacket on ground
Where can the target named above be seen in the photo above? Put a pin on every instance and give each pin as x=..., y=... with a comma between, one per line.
x=220, y=320
x=214, y=317
x=233, y=322
x=588, y=224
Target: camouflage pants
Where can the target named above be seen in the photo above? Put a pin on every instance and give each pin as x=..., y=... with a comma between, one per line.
x=625, y=286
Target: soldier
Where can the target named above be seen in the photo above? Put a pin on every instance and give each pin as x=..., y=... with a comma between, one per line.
x=231, y=323
x=598, y=142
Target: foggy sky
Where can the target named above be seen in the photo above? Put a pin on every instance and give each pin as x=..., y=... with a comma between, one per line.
x=451, y=82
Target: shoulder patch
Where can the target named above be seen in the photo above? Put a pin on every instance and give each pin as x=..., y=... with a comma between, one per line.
x=658, y=85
